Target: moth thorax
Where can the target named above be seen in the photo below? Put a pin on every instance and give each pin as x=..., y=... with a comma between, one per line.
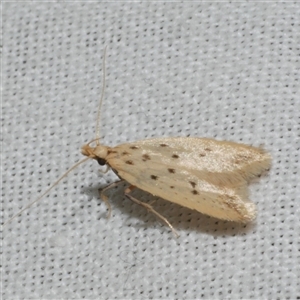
x=97, y=152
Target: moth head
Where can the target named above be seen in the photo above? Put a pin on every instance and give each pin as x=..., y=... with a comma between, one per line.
x=99, y=152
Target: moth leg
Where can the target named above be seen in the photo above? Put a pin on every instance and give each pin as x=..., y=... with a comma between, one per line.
x=106, y=170
x=105, y=198
x=149, y=208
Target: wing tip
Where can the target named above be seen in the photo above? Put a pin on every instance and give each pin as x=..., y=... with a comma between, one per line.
x=249, y=212
x=258, y=166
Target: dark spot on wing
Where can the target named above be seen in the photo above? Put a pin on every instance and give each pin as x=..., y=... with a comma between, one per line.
x=195, y=192
x=171, y=171
x=134, y=147
x=125, y=153
x=153, y=177
x=171, y=186
x=193, y=184
x=202, y=154
x=129, y=162
x=163, y=145
x=207, y=149
x=175, y=156
x=146, y=157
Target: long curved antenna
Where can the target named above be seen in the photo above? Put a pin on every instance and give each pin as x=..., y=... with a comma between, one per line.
x=48, y=190
x=97, y=137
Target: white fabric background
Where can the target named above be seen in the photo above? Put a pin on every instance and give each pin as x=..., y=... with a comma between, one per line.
x=223, y=70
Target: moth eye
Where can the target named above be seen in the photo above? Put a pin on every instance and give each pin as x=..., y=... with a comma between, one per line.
x=101, y=161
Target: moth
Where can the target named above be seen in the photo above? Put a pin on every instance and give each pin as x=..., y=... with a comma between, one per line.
x=202, y=174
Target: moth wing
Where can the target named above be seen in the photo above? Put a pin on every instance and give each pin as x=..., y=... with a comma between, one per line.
x=202, y=174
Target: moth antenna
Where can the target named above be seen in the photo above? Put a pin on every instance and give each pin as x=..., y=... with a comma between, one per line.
x=97, y=137
x=93, y=140
x=48, y=190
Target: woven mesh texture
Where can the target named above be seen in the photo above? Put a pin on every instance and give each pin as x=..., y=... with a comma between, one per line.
x=229, y=71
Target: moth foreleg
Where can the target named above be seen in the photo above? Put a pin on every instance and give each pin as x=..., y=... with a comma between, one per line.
x=148, y=207
x=106, y=170
x=105, y=198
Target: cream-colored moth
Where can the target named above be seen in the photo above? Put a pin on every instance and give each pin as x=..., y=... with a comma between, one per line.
x=203, y=174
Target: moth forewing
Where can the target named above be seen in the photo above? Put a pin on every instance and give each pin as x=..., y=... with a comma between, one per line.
x=206, y=175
